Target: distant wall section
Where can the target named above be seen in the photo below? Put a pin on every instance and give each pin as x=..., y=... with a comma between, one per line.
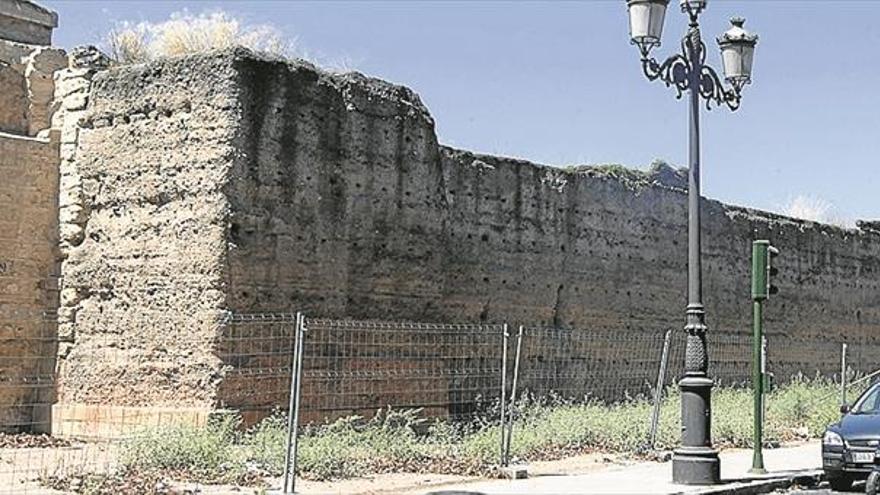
x=344, y=204
x=28, y=236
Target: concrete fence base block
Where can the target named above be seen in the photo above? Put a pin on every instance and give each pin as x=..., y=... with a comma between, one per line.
x=515, y=472
x=108, y=422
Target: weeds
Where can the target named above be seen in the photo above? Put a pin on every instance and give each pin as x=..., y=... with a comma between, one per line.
x=207, y=452
x=186, y=33
x=400, y=440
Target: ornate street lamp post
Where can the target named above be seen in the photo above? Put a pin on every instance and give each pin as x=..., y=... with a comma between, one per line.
x=695, y=462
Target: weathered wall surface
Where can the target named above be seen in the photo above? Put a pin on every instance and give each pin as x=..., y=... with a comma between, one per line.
x=225, y=181
x=28, y=234
x=346, y=205
x=29, y=225
x=13, y=100
x=146, y=155
x=343, y=204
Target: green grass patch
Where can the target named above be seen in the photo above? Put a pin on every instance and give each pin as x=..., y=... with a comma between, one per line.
x=397, y=441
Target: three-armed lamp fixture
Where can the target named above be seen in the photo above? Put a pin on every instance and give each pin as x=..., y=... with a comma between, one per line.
x=695, y=462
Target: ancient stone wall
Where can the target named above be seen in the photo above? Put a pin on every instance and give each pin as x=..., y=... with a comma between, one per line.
x=29, y=199
x=344, y=204
x=28, y=279
x=226, y=181
x=144, y=234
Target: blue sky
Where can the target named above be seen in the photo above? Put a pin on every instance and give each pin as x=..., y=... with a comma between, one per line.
x=558, y=83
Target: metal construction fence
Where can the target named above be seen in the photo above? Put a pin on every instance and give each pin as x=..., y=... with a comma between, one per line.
x=356, y=367
x=309, y=371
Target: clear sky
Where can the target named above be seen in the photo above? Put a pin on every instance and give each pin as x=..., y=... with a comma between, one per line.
x=558, y=83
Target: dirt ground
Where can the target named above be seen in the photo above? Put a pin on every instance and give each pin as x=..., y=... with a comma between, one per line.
x=409, y=483
x=22, y=469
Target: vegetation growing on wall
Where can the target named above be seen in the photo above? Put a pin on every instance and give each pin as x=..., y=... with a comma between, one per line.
x=185, y=33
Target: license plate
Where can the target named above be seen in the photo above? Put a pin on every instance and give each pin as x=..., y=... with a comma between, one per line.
x=863, y=457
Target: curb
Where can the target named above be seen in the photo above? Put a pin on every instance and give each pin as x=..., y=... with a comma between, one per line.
x=764, y=485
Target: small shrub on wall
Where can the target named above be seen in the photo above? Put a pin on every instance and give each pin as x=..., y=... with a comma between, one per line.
x=186, y=33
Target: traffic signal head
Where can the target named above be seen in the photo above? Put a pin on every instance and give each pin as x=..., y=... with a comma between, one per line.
x=772, y=271
x=763, y=271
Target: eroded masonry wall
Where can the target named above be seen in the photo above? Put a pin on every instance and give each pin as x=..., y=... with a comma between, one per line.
x=146, y=155
x=344, y=205
x=228, y=182
x=26, y=79
x=28, y=279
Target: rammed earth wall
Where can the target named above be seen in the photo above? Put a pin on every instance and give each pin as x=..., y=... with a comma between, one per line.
x=145, y=238
x=226, y=181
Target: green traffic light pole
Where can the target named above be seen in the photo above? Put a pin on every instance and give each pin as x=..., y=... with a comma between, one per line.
x=758, y=383
x=762, y=251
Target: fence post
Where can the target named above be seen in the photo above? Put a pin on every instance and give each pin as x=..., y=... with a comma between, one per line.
x=503, y=390
x=293, y=407
x=843, y=374
x=513, y=396
x=658, y=392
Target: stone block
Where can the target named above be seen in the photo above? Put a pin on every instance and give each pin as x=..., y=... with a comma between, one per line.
x=24, y=21
x=516, y=472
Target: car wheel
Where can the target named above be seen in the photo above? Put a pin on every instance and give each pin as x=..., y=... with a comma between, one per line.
x=841, y=483
x=873, y=483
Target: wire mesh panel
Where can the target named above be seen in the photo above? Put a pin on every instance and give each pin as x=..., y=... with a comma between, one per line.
x=357, y=367
x=97, y=393
x=788, y=357
x=577, y=364
x=28, y=347
x=257, y=352
x=28, y=344
x=616, y=365
x=730, y=357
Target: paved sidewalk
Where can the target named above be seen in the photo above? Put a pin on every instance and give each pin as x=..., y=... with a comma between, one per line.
x=654, y=477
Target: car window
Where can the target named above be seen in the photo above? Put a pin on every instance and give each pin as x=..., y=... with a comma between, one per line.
x=869, y=403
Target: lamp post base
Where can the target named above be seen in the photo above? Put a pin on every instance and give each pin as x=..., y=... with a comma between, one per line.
x=696, y=466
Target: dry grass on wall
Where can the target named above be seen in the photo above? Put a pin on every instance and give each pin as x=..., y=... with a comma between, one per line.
x=185, y=33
